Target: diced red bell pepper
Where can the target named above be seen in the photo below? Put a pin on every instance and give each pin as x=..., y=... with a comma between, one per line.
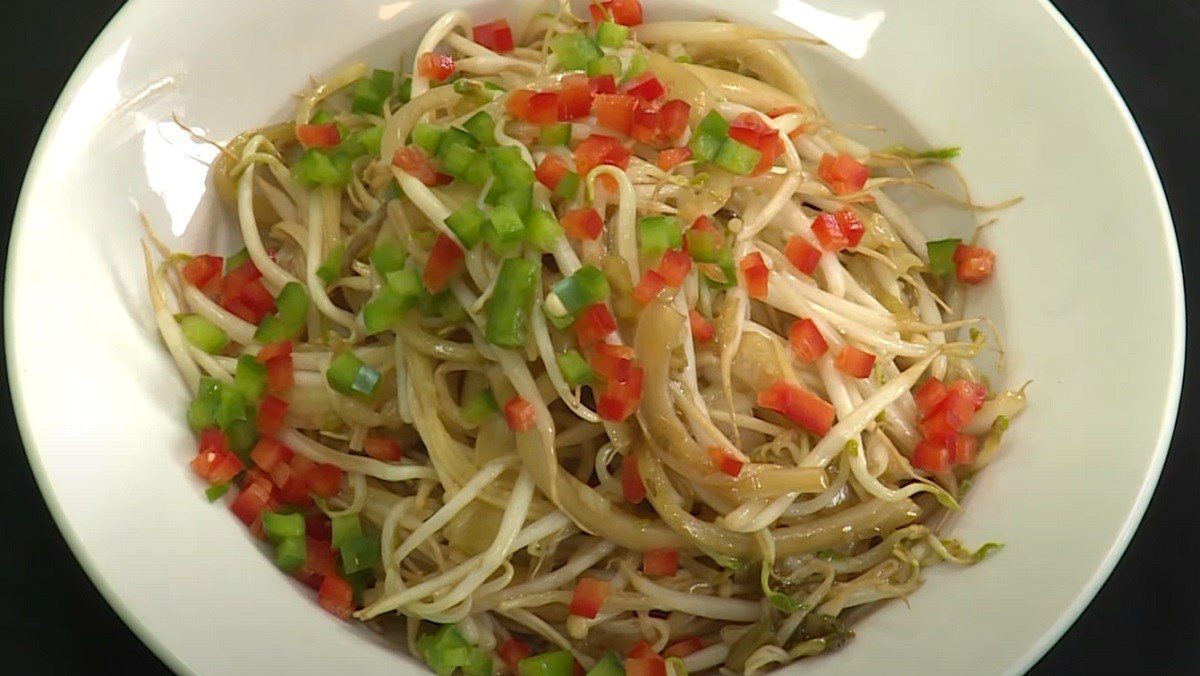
x=318, y=526
x=649, y=287
x=435, y=66
x=280, y=375
x=615, y=409
x=413, y=161
x=550, y=171
x=802, y=254
x=615, y=111
x=519, y=414
x=632, y=486
x=642, y=649
x=674, y=267
x=644, y=124
x=324, y=480
x=972, y=392
x=798, y=405
x=595, y=324
x=703, y=223
x=807, y=342
x=583, y=224
x=941, y=427
x=850, y=225
x=752, y=130
x=599, y=11
x=320, y=558
x=673, y=118
x=337, y=596
x=599, y=149
x=215, y=463
x=602, y=84
x=612, y=361
x=826, y=228
x=273, y=350
x=672, y=157
x=204, y=273
x=543, y=108
x=684, y=648
x=271, y=413
x=512, y=652
x=625, y=12
x=517, y=103
x=963, y=452
x=444, y=261
x=843, y=174
x=575, y=98
x=702, y=329
x=589, y=597
x=496, y=35
x=725, y=461
x=324, y=135
x=661, y=562
x=645, y=87
x=243, y=294
x=929, y=396
x=854, y=362
x=973, y=264
x=252, y=499
x=383, y=449
x=756, y=273
x=931, y=456
x=646, y=666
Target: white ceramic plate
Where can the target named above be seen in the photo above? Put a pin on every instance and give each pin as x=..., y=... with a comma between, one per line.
x=1088, y=293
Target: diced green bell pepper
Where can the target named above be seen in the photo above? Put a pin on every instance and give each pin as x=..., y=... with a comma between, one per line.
x=203, y=334
x=508, y=309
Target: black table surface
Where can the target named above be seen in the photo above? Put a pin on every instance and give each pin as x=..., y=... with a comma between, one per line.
x=1146, y=618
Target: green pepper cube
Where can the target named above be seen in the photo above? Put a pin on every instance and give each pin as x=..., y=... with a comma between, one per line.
x=370, y=139
x=384, y=311
x=556, y=134
x=349, y=375
x=509, y=168
x=370, y=93
x=568, y=187
x=941, y=255
x=557, y=663
x=709, y=136
x=467, y=224
x=279, y=526
x=388, y=256
x=455, y=137
x=512, y=297
x=479, y=172
x=482, y=127
x=243, y=435
x=638, y=64
x=574, y=368
x=215, y=492
x=291, y=553
x=235, y=261
x=458, y=160
x=231, y=407
x=406, y=283
x=203, y=334
x=250, y=377
x=331, y=267
x=726, y=277
x=611, y=34
x=605, y=65
x=427, y=137
x=504, y=230
x=316, y=167
x=609, y=665
x=703, y=245
x=542, y=230
x=574, y=50
x=359, y=553
x=519, y=199
x=659, y=233
x=345, y=527
x=480, y=407
x=737, y=157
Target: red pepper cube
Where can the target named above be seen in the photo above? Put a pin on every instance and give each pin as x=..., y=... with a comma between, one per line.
x=519, y=414
x=725, y=461
x=826, y=228
x=649, y=287
x=337, y=596
x=702, y=329
x=672, y=157
x=575, y=98
x=435, y=66
x=589, y=597
x=614, y=111
x=931, y=456
x=973, y=264
x=583, y=224
x=551, y=170
x=444, y=261
x=496, y=35
x=806, y=340
x=854, y=362
x=325, y=135
x=929, y=395
x=660, y=562
x=595, y=323
x=843, y=173
x=756, y=273
x=414, y=162
x=645, y=87
x=850, y=225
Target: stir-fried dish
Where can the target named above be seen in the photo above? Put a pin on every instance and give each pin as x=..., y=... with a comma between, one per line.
x=585, y=346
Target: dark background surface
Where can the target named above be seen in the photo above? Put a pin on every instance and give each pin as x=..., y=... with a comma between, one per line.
x=1146, y=619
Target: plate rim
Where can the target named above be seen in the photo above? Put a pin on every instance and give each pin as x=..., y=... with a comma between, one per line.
x=1069, y=614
